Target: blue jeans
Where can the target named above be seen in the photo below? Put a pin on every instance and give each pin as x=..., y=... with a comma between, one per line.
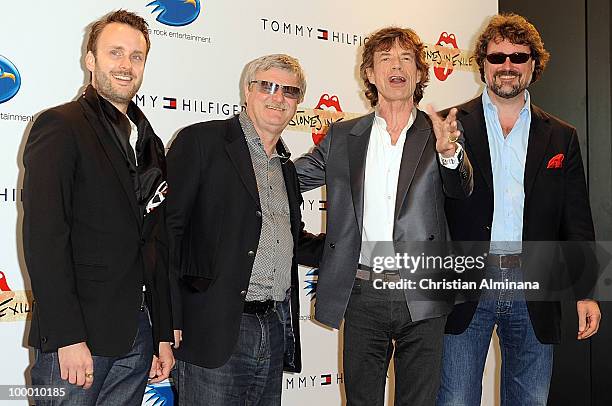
x=117, y=380
x=252, y=376
x=526, y=363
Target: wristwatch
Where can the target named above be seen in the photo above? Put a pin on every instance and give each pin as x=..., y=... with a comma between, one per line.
x=454, y=160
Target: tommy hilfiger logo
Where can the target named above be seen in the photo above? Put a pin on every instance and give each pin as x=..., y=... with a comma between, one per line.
x=311, y=381
x=170, y=103
x=187, y=105
x=311, y=32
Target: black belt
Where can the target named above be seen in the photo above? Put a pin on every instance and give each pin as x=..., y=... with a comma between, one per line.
x=367, y=273
x=258, y=307
x=504, y=261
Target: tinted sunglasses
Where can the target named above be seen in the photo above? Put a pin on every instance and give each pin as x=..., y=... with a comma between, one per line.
x=290, y=92
x=498, y=58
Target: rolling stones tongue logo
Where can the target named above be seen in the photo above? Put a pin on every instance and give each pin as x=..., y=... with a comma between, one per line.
x=326, y=102
x=6, y=297
x=444, y=43
x=4, y=287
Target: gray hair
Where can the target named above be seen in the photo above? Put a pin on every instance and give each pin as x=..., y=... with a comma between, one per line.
x=278, y=61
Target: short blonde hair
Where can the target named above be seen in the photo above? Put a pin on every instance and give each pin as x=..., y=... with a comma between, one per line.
x=278, y=61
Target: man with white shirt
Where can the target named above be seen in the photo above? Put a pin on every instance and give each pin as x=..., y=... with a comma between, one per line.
x=386, y=176
x=93, y=231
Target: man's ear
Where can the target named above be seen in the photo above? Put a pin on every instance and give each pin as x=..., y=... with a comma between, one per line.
x=90, y=61
x=370, y=76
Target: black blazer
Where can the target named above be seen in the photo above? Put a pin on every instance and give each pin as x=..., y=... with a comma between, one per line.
x=214, y=223
x=87, y=249
x=556, y=204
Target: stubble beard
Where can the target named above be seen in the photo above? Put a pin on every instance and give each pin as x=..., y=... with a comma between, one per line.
x=502, y=90
x=105, y=88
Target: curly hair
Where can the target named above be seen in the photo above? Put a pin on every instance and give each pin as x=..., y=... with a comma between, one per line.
x=121, y=17
x=383, y=40
x=517, y=30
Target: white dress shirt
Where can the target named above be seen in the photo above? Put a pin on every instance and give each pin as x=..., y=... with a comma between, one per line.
x=380, y=188
x=382, y=168
x=134, y=139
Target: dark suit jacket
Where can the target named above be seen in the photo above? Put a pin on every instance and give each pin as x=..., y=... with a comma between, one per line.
x=214, y=223
x=87, y=249
x=339, y=163
x=556, y=204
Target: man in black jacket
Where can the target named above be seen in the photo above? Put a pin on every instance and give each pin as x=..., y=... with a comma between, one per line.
x=235, y=227
x=529, y=186
x=93, y=231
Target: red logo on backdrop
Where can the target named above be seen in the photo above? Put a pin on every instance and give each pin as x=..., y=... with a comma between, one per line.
x=3, y=283
x=6, y=297
x=326, y=102
x=446, y=41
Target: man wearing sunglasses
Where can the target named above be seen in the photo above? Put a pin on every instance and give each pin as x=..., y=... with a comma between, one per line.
x=235, y=228
x=529, y=185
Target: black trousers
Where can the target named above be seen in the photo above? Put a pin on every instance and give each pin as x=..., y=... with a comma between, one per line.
x=377, y=325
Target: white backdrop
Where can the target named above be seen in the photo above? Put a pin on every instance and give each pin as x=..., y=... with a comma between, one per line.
x=196, y=68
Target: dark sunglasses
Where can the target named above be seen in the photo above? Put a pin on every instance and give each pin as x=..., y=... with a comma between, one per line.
x=290, y=92
x=517, y=57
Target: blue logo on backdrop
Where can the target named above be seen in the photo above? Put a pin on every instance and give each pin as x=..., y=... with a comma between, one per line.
x=311, y=284
x=158, y=394
x=10, y=80
x=176, y=13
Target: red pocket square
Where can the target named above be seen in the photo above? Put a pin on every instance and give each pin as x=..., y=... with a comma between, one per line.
x=556, y=162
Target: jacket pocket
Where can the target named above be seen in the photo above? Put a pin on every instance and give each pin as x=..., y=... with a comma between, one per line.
x=92, y=272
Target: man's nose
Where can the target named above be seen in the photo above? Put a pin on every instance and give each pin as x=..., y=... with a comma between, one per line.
x=396, y=62
x=125, y=62
x=507, y=64
x=278, y=95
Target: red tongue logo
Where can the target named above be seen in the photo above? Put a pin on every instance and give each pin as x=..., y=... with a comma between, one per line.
x=443, y=72
x=326, y=102
x=3, y=285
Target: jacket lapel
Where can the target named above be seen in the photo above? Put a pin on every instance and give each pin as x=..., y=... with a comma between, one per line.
x=539, y=137
x=416, y=139
x=358, y=139
x=238, y=152
x=477, y=143
x=114, y=155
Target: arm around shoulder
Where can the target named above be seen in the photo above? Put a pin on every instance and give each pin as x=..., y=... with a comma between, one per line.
x=311, y=166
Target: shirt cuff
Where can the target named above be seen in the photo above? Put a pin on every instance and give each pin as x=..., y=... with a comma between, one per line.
x=454, y=161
